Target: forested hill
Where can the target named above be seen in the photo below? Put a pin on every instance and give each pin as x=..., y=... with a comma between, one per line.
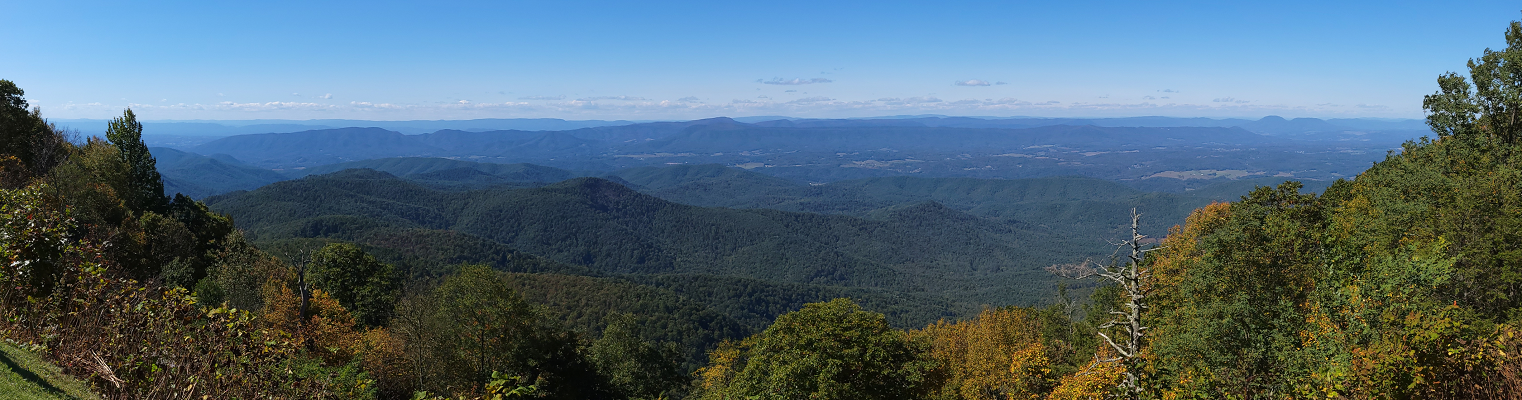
x=927, y=248
x=1080, y=206
x=199, y=176
x=404, y=166
x=1077, y=206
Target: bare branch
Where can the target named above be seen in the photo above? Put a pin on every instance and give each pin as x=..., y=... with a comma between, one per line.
x=1130, y=276
x=1079, y=270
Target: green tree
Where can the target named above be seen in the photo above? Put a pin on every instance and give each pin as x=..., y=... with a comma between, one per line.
x=1489, y=108
x=35, y=145
x=634, y=368
x=146, y=188
x=1237, y=316
x=474, y=325
x=829, y=350
x=364, y=286
x=16, y=123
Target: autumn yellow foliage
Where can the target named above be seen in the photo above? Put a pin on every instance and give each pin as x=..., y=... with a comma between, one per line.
x=998, y=355
x=328, y=331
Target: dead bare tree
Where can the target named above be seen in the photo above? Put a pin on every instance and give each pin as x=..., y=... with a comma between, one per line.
x=1130, y=275
x=299, y=261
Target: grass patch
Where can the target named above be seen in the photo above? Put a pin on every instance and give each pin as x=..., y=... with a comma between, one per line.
x=24, y=375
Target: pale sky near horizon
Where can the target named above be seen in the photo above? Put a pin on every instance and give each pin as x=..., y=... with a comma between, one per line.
x=687, y=60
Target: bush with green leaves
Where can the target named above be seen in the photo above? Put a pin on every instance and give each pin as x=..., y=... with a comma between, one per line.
x=829, y=350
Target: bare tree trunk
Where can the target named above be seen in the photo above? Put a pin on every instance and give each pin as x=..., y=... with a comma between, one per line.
x=1130, y=276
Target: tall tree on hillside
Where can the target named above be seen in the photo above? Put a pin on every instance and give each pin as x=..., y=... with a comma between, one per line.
x=15, y=122
x=1492, y=106
x=145, y=185
x=29, y=146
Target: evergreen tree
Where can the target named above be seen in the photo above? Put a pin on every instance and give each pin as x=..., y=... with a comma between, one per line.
x=15, y=122
x=29, y=146
x=145, y=186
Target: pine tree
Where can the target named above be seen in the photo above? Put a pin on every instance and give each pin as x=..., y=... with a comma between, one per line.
x=146, y=187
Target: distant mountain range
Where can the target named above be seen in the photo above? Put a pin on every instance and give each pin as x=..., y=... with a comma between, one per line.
x=1146, y=154
x=717, y=135
x=245, y=127
x=199, y=176
x=1266, y=125
x=1270, y=125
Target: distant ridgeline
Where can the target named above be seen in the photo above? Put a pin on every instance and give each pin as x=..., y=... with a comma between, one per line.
x=1149, y=153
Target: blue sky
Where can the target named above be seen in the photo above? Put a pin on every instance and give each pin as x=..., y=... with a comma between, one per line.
x=682, y=60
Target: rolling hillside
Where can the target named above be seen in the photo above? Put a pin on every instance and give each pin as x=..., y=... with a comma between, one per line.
x=613, y=230
x=199, y=176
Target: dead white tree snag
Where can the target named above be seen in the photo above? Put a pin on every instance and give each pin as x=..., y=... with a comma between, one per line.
x=1130, y=276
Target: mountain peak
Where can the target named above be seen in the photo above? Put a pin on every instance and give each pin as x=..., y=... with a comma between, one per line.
x=717, y=121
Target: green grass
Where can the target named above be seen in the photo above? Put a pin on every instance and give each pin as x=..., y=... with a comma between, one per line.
x=24, y=375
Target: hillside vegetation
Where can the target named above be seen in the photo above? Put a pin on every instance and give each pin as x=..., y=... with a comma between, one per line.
x=925, y=249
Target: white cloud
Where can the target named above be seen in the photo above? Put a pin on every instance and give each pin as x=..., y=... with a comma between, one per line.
x=794, y=81
x=806, y=100
x=973, y=82
x=326, y=96
x=894, y=101
x=621, y=98
x=690, y=99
